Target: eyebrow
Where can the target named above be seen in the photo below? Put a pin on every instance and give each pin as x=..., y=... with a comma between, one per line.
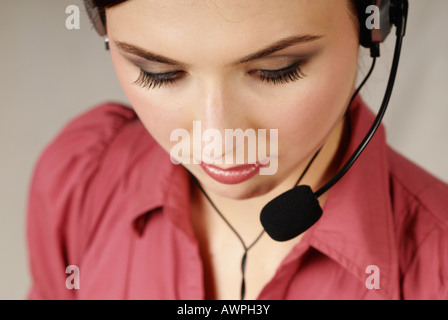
x=277, y=46
x=280, y=45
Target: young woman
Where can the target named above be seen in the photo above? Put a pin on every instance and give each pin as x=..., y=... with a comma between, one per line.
x=108, y=200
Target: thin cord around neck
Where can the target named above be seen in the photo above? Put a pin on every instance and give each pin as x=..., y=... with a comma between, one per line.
x=247, y=248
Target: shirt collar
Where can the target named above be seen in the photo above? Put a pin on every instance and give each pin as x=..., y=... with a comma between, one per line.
x=356, y=229
x=161, y=184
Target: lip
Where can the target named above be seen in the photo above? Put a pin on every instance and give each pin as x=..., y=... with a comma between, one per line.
x=233, y=175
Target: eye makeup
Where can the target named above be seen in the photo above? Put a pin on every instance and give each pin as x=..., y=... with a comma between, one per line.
x=149, y=80
x=280, y=75
x=289, y=74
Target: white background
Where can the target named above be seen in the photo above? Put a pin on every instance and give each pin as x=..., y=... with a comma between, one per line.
x=49, y=74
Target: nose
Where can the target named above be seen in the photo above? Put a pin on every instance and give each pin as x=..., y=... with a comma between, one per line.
x=220, y=107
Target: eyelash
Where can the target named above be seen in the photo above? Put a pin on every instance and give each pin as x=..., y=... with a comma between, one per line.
x=285, y=75
x=289, y=74
x=155, y=80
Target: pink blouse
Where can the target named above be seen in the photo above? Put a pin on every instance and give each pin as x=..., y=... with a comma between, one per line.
x=106, y=199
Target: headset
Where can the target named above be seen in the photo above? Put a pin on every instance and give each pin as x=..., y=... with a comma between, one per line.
x=296, y=210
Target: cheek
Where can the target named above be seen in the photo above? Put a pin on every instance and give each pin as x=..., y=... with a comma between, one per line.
x=319, y=103
x=312, y=111
x=154, y=108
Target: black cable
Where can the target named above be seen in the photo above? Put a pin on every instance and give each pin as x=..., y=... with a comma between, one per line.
x=308, y=167
x=376, y=123
x=401, y=27
x=246, y=249
x=362, y=84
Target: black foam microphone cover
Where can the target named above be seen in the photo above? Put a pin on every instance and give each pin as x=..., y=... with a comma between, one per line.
x=291, y=213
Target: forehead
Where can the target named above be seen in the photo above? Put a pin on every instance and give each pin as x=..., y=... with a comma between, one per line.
x=222, y=25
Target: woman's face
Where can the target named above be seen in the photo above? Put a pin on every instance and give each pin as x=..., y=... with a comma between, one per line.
x=253, y=64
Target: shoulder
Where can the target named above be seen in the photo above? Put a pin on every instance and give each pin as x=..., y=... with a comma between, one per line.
x=414, y=189
x=96, y=149
x=420, y=206
x=69, y=163
x=59, y=188
x=72, y=166
x=76, y=150
x=96, y=126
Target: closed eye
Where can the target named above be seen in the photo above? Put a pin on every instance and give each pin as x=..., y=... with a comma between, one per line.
x=291, y=73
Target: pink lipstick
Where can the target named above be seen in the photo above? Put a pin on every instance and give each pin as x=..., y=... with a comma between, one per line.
x=233, y=175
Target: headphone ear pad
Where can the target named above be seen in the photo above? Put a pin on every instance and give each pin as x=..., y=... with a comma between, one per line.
x=95, y=17
x=365, y=35
x=370, y=36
